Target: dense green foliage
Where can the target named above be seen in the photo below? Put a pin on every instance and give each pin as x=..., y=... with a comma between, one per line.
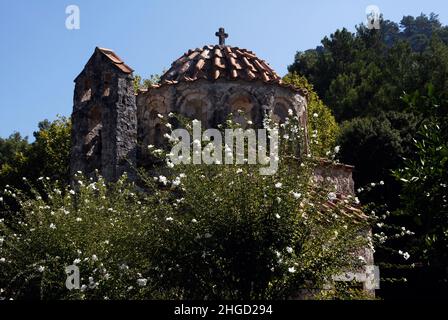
x=362, y=73
x=388, y=88
x=48, y=155
x=322, y=126
x=141, y=83
x=196, y=232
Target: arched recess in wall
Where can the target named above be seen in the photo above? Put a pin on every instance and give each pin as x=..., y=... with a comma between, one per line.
x=92, y=142
x=280, y=110
x=86, y=90
x=196, y=106
x=107, y=80
x=241, y=105
x=153, y=125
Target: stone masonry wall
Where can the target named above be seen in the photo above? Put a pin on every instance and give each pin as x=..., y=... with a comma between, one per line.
x=211, y=102
x=104, y=119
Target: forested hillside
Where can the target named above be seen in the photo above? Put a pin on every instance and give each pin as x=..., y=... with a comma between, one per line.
x=388, y=90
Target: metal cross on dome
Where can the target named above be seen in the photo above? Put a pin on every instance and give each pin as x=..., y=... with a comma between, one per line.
x=222, y=36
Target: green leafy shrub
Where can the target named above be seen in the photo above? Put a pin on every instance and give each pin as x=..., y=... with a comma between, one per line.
x=322, y=127
x=188, y=231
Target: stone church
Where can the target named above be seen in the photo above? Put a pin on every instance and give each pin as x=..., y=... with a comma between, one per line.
x=112, y=124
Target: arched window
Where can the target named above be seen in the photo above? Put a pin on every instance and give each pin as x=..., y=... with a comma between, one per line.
x=151, y=125
x=86, y=91
x=195, y=108
x=280, y=112
x=155, y=129
x=107, y=77
x=241, y=107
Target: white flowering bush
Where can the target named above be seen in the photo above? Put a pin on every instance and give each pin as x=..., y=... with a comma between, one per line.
x=185, y=232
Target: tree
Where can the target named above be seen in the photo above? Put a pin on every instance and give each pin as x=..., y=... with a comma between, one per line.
x=360, y=74
x=322, y=126
x=140, y=83
x=11, y=147
x=47, y=156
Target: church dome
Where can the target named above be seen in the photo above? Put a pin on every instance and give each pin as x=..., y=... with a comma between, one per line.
x=219, y=62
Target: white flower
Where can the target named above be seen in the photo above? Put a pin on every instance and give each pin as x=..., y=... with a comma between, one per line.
x=150, y=146
x=160, y=116
x=142, y=282
x=331, y=196
x=169, y=164
x=249, y=122
x=290, y=112
x=278, y=185
x=382, y=182
x=94, y=257
x=296, y=195
x=362, y=259
x=239, y=170
x=277, y=216
x=72, y=192
x=163, y=180
x=1, y=199
x=337, y=149
x=289, y=249
x=278, y=199
x=315, y=115
x=169, y=219
x=194, y=220
x=170, y=114
x=373, y=184
x=78, y=219
x=52, y=226
x=76, y=261
x=41, y=268
x=2, y=260
x=169, y=126
x=291, y=269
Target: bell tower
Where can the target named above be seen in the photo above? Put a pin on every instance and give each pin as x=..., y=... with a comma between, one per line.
x=104, y=118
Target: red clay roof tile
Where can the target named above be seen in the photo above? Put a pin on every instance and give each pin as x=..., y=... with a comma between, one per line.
x=220, y=62
x=115, y=59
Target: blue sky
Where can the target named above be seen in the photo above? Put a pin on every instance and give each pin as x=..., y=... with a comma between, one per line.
x=40, y=58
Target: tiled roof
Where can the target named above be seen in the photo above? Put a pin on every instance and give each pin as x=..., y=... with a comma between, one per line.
x=345, y=203
x=115, y=59
x=219, y=62
x=327, y=162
